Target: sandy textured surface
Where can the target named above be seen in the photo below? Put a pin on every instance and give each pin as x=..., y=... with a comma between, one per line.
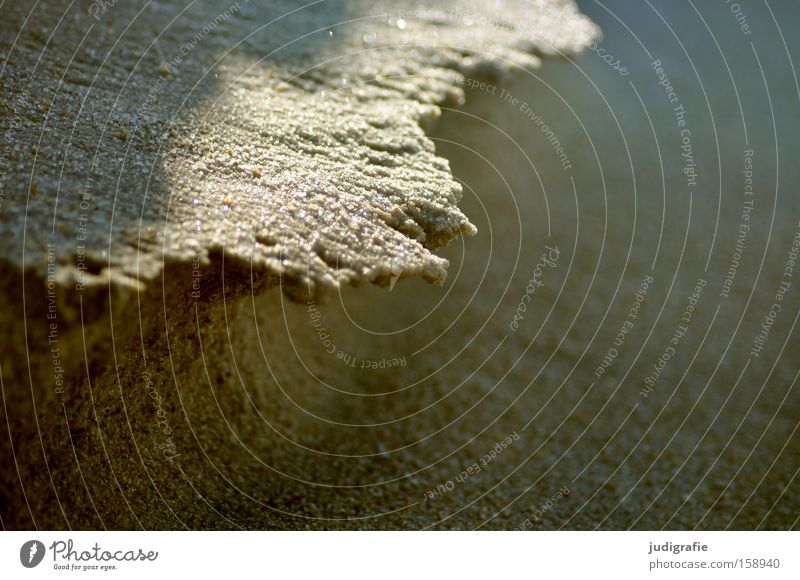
x=287, y=136
x=148, y=138
x=198, y=393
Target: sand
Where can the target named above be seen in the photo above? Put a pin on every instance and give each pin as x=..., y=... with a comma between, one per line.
x=248, y=375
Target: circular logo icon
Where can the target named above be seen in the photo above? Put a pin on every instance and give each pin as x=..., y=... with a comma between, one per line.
x=31, y=553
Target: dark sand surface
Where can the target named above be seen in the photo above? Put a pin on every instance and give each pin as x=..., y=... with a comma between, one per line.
x=423, y=407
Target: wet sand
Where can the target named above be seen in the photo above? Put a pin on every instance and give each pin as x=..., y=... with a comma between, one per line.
x=590, y=362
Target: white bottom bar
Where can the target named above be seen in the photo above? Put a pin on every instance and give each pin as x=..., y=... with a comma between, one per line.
x=402, y=555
